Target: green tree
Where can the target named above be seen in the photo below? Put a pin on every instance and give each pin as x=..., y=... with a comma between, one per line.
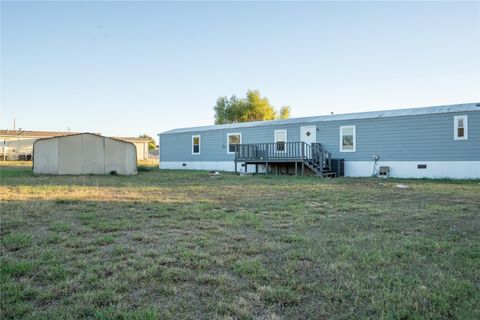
x=151, y=144
x=259, y=109
x=252, y=108
x=284, y=113
x=230, y=110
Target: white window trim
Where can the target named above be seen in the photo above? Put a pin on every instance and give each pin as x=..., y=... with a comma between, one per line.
x=228, y=140
x=465, y=127
x=275, y=139
x=199, y=144
x=354, y=138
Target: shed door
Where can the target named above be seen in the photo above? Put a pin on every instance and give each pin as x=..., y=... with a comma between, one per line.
x=308, y=134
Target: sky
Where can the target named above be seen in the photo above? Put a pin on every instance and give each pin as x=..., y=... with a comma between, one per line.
x=128, y=68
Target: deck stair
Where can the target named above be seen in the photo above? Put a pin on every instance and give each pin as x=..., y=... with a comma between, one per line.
x=313, y=156
x=318, y=160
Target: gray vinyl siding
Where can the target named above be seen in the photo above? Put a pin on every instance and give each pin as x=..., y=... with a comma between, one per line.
x=422, y=137
x=404, y=138
x=213, y=145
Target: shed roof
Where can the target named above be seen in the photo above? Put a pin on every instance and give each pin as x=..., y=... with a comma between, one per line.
x=84, y=133
x=339, y=117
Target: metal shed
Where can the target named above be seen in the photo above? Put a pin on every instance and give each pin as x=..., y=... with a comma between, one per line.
x=84, y=153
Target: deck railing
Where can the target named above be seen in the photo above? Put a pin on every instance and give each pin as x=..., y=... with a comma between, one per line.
x=288, y=151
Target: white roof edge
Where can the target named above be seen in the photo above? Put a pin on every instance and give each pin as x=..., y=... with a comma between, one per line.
x=82, y=133
x=475, y=106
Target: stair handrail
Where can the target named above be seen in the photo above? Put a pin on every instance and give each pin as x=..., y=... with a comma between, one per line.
x=301, y=150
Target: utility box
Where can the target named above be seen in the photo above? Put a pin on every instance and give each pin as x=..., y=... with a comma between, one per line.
x=338, y=166
x=384, y=171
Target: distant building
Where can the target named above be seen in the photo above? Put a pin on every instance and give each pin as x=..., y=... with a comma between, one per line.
x=84, y=153
x=18, y=144
x=140, y=143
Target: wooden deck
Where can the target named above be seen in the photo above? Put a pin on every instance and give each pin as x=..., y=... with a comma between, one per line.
x=300, y=154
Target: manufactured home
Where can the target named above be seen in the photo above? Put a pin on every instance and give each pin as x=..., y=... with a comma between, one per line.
x=84, y=153
x=429, y=142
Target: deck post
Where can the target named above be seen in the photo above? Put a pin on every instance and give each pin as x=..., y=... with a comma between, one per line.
x=235, y=166
x=246, y=167
x=303, y=168
x=296, y=168
x=266, y=168
x=256, y=167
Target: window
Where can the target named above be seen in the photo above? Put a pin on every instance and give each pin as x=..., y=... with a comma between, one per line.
x=232, y=140
x=195, y=144
x=347, y=139
x=460, y=126
x=280, y=140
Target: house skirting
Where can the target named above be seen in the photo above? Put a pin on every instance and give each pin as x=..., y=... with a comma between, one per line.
x=208, y=165
x=410, y=169
x=398, y=169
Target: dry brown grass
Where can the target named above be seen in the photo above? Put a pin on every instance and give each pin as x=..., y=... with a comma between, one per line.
x=181, y=245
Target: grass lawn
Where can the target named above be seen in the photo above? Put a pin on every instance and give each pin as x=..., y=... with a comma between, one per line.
x=181, y=245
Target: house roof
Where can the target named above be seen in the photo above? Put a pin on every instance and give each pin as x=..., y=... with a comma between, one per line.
x=133, y=139
x=35, y=134
x=339, y=117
